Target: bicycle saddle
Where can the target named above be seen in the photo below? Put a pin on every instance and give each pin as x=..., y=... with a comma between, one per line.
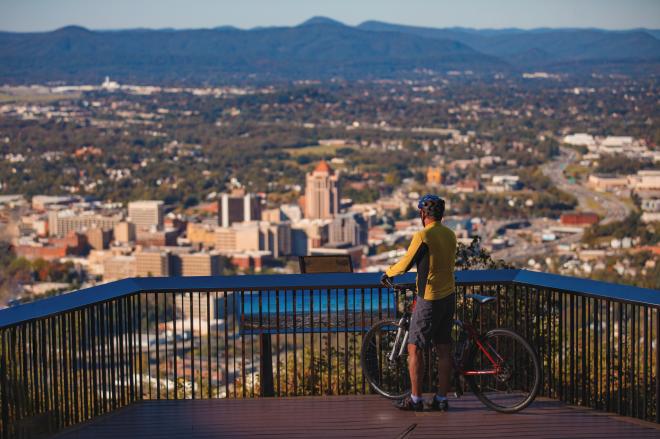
x=481, y=299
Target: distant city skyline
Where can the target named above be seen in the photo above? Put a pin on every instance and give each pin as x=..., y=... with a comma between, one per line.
x=44, y=15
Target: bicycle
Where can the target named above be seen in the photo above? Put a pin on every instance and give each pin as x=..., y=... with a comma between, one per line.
x=500, y=366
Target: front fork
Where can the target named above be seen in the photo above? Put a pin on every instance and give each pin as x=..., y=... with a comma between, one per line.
x=401, y=333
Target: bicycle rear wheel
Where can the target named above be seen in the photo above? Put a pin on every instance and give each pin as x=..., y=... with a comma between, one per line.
x=387, y=377
x=518, y=372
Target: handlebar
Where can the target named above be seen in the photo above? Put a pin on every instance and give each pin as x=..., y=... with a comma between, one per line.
x=389, y=283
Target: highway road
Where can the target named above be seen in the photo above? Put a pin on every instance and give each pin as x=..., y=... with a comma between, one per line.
x=611, y=208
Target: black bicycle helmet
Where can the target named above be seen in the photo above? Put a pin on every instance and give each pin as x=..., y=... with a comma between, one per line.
x=432, y=206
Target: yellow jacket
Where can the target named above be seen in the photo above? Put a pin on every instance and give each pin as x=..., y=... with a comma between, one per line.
x=433, y=250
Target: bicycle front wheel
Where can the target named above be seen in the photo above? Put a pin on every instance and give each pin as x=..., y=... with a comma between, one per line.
x=384, y=369
x=504, y=373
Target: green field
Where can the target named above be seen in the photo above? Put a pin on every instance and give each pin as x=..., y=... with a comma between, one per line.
x=316, y=150
x=6, y=98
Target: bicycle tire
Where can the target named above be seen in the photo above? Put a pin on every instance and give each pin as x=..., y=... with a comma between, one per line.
x=368, y=370
x=472, y=380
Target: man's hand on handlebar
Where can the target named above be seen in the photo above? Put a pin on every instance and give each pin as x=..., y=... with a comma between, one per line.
x=386, y=280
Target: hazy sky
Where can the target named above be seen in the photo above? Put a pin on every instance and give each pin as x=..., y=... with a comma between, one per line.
x=36, y=15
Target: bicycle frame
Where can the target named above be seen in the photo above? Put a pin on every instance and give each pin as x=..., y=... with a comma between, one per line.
x=475, y=357
x=475, y=337
x=467, y=329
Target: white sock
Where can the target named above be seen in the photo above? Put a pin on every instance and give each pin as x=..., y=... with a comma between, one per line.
x=440, y=398
x=416, y=398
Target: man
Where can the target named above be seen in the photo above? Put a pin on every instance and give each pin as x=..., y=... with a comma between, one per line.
x=433, y=250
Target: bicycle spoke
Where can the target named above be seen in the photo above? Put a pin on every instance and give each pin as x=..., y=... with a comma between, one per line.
x=389, y=378
x=516, y=379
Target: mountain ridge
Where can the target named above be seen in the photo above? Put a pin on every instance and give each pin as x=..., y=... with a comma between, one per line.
x=319, y=47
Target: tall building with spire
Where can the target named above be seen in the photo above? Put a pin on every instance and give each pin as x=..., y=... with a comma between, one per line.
x=322, y=192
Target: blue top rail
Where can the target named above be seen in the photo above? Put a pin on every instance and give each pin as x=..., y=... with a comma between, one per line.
x=101, y=293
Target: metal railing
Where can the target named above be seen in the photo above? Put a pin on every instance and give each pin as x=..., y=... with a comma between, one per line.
x=70, y=358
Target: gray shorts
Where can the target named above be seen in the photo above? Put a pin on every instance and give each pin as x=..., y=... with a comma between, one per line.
x=432, y=321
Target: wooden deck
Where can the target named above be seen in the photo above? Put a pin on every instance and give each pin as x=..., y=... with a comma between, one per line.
x=352, y=416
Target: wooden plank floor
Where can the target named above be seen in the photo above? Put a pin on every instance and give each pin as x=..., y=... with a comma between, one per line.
x=352, y=416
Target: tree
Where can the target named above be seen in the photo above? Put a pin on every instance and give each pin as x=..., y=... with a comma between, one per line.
x=474, y=257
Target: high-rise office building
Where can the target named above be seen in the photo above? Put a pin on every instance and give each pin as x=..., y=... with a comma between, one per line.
x=322, y=192
x=119, y=267
x=237, y=207
x=99, y=239
x=348, y=229
x=152, y=263
x=200, y=264
x=62, y=222
x=124, y=232
x=146, y=214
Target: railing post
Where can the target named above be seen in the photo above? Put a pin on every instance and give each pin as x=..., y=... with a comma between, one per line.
x=5, y=387
x=266, y=365
x=657, y=365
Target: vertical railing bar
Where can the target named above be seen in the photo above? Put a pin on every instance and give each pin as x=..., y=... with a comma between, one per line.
x=608, y=360
x=539, y=344
x=6, y=428
x=175, y=354
x=596, y=351
x=561, y=347
x=226, y=342
x=30, y=369
x=157, y=335
x=131, y=344
x=346, y=350
x=277, y=339
x=240, y=321
x=584, y=353
x=633, y=363
x=139, y=322
x=20, y=357
x=354, y=340
x=52, y=360
x=657, y=365
x=146, y=316
x=45, y=370
x=243, y=344
x=620, y=359
x=16, y=408
x=167, y=357
x=34, y=366
x=208, y=343
x=261, y=335
x=295, y=343
x=114, y=351
x=74, y=359
x=120, y=350
x=286, y=342
x=39, y=369
x=336, y=334
x=646, y=363
x=199, y=331
x=312, y=377
x=100, y=321
x=549, y=335
x=329, y=339
x=64, y=368
x=362, y=330
x=28, y=409
x=94, y=379
x=572, y=348
x=128, y=352
x=192, y=346
x=216, y=316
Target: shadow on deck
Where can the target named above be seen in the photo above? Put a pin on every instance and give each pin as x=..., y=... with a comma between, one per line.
x=352, y=416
